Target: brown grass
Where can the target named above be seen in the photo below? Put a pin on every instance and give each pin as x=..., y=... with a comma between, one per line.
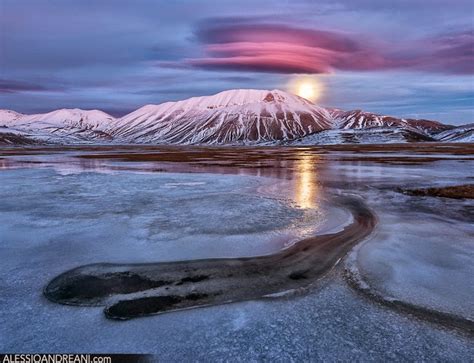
x=454, y=192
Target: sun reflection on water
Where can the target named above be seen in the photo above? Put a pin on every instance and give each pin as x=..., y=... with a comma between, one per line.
x=306, y=181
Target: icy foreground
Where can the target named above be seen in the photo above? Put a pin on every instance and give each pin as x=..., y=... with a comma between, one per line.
x=234, y=117
x=148, y=216
x=65, y=211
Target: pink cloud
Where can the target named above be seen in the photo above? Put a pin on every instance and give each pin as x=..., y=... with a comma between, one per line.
x=285, y=49
x=267, y=56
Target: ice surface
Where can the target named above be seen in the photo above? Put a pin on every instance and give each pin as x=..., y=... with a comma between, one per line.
x=329, y=323
x=56, y=218
x=432, y=269
x=129, y=216
x=423, y=250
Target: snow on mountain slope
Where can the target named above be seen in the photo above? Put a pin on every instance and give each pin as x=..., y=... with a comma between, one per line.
x=358, y=119
x=428, y=127
x=463, y=133
x=74, y=124
x=229, y=117
x=7, y=117
x=374, y=135
x=13, y=137
x=73, y=118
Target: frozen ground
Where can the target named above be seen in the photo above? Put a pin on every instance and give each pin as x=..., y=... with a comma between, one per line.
x=329, y=323
x=123, y=216
x=53, y=219
x=423, y=250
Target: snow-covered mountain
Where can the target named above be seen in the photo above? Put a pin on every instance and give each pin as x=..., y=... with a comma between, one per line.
x=68, y=125
x=234, y=117
x=229, y=117
x=463, y=133
x=358, y=119
x=262, y=117
x=71, y=118
x=373, y=135
x=7, y=117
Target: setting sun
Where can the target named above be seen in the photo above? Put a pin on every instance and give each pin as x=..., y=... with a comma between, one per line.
x=309, y=88
x=306, y=90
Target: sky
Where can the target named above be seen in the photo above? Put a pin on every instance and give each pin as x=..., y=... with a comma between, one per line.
x=406, y=58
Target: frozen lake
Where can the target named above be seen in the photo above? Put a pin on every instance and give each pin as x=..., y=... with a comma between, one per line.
x=63, y=208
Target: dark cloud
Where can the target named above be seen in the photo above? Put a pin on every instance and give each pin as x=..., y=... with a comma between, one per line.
x=238, y=79
x=13, y=86
x=282, y=33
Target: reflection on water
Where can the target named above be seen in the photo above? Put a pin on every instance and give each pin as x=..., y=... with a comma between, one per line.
x=303, y=169
x=306, y=181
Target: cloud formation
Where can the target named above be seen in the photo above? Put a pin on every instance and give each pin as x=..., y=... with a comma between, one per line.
x=449, y=53
x=118, y=55
x=12, y=86
x=279, y=48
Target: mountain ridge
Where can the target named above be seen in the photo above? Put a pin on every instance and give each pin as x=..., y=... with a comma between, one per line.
x=233, y=117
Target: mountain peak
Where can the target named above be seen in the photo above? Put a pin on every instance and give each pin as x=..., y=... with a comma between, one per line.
x=76, y=112
x=8, y=116
x=231, y=98
x=237, y=97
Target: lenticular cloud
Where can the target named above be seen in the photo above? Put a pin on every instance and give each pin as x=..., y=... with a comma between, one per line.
x=284, y=49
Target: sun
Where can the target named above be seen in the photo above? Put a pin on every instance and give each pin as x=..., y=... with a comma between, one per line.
x=309, y=88
x=306, y=90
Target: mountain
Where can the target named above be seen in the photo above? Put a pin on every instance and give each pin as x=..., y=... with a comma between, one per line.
x=358, y=119
x=229, y=117
x=15, y=138
x=7, y=117
x=64, y=125
x=263, y=117
x=463, y=133
x=70, y=118
x=372, y=135
x=234, y=117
